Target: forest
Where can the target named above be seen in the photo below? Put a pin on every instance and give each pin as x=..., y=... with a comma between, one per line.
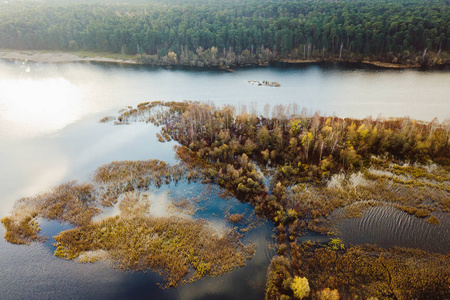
x=229, y=33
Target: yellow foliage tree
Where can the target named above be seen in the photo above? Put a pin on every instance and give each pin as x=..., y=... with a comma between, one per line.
x=300, y=286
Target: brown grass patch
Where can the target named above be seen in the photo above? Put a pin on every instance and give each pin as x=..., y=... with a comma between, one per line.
x=107, y=119
x=182, y=250
x=433, y=220
x=70, y=202
x=21, y=231
x=236, y=218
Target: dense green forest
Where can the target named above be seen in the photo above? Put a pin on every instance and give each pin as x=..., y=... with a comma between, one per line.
x=228, y=33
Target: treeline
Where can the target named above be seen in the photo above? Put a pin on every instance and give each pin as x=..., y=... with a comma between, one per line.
x=294, y=148
x=226, y=33
x=287, y=136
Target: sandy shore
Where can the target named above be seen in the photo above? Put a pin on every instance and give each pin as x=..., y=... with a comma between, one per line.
x=57, y=57
x=374, y=63
x=60, y=57
x=389, y=65
x=299, y=61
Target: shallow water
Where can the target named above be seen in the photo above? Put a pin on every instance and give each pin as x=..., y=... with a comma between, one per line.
x=32, y=272
x=50, y=134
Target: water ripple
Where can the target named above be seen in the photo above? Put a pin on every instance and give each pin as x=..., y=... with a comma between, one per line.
x=389, y=227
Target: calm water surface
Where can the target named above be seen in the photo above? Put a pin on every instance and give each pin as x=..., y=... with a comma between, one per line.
x=49, y=134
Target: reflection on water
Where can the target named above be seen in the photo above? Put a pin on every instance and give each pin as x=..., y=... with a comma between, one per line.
x=389, y=227
x=32, y=272
x=31, y=166
x=44, y=105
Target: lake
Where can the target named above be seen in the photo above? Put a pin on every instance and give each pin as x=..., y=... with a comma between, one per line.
x=50, y=134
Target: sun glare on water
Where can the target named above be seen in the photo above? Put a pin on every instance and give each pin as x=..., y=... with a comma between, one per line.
x=35, y=107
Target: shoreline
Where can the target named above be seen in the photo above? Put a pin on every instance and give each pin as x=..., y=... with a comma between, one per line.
x=367, y=62
x=67, y=57
x=61, y=57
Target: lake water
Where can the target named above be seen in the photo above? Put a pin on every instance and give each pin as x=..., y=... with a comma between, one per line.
x=49, y=134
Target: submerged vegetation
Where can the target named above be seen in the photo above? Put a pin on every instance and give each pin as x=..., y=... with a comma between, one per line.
x=320, y=170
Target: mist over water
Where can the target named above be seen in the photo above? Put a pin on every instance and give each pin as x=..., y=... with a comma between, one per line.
x=50, y=134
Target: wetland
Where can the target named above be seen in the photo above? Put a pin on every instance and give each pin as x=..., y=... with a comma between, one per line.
x=227, y=191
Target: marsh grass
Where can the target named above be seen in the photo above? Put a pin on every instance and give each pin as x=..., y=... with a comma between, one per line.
x=93, y=256
x=433, y=220
x=182, y=250
x=236, y=218
x=23, y=231
x=181, y=205
x=361, y=272
x=107, y=119
x=160, y=138
x=376, y=186
x=70, y=202
x=395, y=273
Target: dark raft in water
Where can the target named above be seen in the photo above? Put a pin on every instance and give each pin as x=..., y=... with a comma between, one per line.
x=264, y=83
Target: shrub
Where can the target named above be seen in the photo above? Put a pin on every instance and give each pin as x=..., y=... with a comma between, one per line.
x=422, y=213
x=327, y=294
x=433, y=220
x=236, y=218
